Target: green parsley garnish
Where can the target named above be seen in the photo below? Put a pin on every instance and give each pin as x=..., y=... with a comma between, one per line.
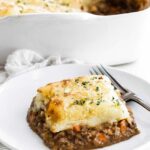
x=91, y=102
x=85, y=83
x=76, y=80
x=97, y=88
x=98, y=102
x=94, y=78
x=117, y=103
x=79, y=102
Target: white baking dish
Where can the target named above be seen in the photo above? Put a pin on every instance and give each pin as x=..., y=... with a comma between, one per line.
x=113, y=39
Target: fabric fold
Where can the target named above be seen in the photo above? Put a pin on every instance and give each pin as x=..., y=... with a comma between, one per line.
x=24, y=60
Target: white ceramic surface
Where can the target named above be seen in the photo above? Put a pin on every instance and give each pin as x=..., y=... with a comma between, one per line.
x=112, y=39
x=17, y=93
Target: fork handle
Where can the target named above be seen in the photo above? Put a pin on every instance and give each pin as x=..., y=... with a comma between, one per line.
x=140, y=102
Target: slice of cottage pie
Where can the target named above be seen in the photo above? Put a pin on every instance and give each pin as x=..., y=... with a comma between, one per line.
x=80, y=114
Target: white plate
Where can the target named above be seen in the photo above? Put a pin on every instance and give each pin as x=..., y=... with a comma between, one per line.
x=16, y=96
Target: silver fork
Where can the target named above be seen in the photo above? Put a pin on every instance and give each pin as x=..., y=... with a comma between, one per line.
x=127, y=95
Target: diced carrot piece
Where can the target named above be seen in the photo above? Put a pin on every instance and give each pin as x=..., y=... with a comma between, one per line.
x=102, y=137
x=77, y=128
x=123, y=126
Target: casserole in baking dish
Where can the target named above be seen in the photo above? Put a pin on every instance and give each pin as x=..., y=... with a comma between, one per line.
x=103, y=7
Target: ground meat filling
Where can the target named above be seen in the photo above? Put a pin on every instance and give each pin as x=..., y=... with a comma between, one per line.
x=81, y=137
x=109, y=7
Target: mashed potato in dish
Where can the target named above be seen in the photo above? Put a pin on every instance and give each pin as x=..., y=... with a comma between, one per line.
x=103, y=7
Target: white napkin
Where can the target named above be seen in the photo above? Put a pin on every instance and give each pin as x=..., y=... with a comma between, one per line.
x=24, y=60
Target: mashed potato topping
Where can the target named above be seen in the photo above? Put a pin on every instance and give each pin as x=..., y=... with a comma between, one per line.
x=88, y=100
x=17, y=7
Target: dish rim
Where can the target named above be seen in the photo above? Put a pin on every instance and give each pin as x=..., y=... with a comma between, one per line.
x=79, y=15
